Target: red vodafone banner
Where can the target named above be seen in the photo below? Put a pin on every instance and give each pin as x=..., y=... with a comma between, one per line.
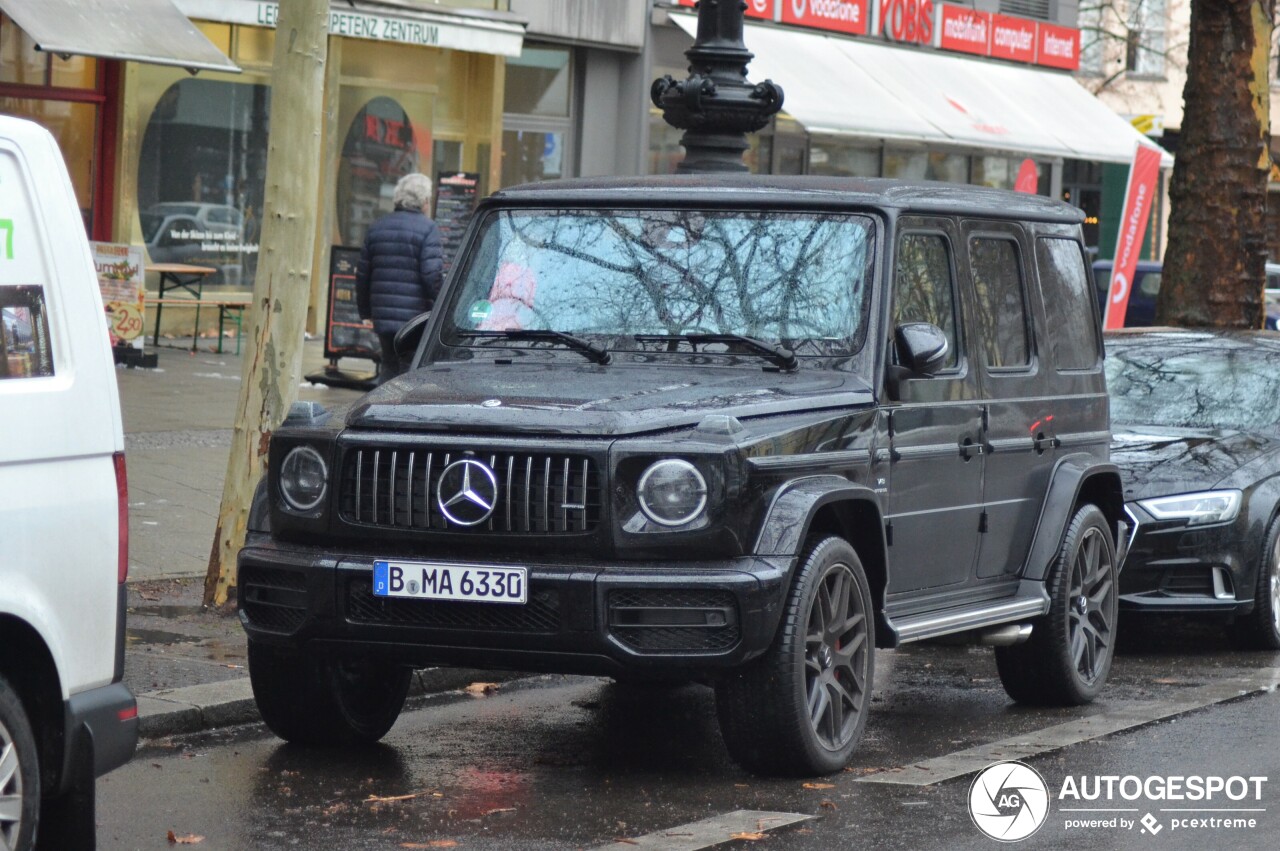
x=846, y=16
x=964, y=30
x=1139, y=198
x=1013, y=38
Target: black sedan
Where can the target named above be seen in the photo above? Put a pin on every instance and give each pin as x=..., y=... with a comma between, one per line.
x=1196, y=433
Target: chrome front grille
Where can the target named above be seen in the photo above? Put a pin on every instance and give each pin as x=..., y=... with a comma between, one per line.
x=537, y=494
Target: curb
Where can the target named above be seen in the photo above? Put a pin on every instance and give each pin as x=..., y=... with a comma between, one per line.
x=209, y=706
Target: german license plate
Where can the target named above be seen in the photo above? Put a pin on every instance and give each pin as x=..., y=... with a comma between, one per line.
x=428, y=581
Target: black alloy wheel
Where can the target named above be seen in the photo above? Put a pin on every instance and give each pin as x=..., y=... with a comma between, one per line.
x=1068, y=657
x=1091, y=612
x=835, y=658
x=800, y=708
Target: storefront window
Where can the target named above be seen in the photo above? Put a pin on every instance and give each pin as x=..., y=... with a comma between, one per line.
x=905, y=165
x=201, y=177
x=75, y=126
x=538, y=82
x=529, y=155
x=951, y=168
x=844, y=159
x=380, y=148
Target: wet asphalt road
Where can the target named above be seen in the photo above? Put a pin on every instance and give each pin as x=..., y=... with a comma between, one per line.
x=572, y=762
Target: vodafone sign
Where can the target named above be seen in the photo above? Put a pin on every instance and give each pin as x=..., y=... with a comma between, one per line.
x=846, y=16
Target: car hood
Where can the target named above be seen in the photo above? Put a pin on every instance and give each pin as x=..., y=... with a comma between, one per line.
x=1157, y=461
x=617, y=400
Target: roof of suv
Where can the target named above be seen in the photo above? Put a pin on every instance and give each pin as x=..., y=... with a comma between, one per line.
x=737, y=190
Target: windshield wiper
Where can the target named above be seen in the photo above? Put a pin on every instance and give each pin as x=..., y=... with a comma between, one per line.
x=782, y=356
x=591, y=350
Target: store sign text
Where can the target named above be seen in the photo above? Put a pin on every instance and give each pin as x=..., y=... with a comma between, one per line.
x=1059, y=47
x=907, y=20
x=362, y=25
x=1013, y=38
x=846, y=16
x=965, y=30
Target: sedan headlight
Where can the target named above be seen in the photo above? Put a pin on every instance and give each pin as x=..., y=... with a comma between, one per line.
x=304, y=478
x=1198, y=509
x=672, y=493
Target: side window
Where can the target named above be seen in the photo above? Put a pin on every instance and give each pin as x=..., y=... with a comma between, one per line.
x=1064, y=283
x=24, y=333
x=1001, y=304
x=922, y=286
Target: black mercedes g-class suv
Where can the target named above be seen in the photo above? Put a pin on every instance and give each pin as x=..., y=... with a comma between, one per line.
x=738, y=429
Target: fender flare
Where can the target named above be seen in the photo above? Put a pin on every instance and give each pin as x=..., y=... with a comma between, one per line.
x=788, y=518
x=1070, y=477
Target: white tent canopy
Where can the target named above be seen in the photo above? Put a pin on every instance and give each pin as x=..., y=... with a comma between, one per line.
x=859, y=88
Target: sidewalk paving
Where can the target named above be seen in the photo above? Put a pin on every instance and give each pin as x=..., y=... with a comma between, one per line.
x=187, y=665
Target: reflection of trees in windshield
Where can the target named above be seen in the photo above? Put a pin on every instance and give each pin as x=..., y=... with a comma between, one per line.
x=1228, y=387
x=793, y=278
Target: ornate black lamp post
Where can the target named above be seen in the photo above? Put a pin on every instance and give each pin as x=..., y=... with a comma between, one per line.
x=716, y=106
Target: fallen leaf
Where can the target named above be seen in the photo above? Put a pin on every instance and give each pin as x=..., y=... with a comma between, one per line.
x=481, y=689
x=189, y=839
x=750, y=837
x=626, y=841
x=435, y=843
x=378, y=799
x=828, y=805
x=500, y=810
x=819, y=785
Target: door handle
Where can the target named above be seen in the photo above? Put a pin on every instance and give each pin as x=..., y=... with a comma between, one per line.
x=1041, y=442
x=969, y=449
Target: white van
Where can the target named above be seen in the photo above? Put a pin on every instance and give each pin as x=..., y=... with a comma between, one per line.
x=65, y=716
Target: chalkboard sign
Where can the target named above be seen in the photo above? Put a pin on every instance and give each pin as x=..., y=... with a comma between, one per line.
x=456, y=193
x=346, y=334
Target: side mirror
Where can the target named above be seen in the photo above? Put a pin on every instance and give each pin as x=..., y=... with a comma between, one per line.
x=922, y=347
x=410, y=335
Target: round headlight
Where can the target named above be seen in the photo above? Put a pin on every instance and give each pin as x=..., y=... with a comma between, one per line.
x=304, y=478
x=672, y=493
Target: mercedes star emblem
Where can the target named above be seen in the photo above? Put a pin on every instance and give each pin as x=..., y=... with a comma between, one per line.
x=467, y=492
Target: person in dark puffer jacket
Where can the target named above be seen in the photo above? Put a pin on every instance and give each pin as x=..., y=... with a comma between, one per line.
x=401, y=267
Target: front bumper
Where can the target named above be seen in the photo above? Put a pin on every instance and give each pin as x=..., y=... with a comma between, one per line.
x=1172, y=568
x=581, y=616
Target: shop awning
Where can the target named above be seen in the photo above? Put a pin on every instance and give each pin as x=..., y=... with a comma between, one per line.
x=136, y=30
x=398, y=21
x=858, y=88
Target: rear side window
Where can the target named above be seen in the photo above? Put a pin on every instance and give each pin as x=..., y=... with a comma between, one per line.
x=1064, y=283
x=922, y=286
x=1002, y=307
x=24, y=333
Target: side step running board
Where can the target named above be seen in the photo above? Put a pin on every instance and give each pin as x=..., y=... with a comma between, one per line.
x=934, y=624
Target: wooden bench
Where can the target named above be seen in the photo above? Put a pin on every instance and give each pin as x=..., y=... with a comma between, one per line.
x=234, y=310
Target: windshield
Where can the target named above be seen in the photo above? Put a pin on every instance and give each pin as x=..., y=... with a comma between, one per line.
x=799, y=279
x=1232, y=388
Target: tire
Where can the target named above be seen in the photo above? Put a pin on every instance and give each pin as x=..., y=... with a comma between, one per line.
x=822, y=657
x=1068, y=657
x=19, y=774
x=325, y=702
x=1260, y=629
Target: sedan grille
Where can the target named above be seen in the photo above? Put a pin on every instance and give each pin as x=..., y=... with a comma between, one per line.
x=537, y=494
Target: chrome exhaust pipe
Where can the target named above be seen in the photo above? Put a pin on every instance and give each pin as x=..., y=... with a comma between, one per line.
x=1005, y=636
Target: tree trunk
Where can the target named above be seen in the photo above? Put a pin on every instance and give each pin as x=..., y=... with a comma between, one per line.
x=1213, y=267
x=273, y=358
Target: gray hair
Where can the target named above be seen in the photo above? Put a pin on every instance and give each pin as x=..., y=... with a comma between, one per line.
x=413, y=191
